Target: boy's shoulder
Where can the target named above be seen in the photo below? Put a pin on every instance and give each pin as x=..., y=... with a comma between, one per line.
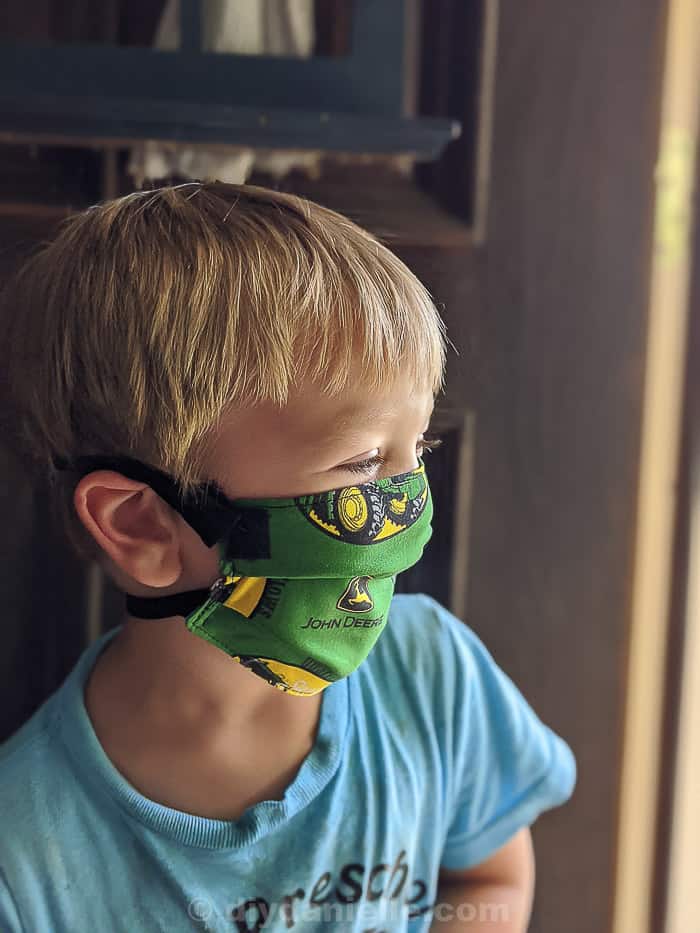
x=31, y=742
x=429, y=659
x=36, y=767
x=503, y=765
x=32, y=767
x=442, y=664
x=427, y=640
x=417, y=615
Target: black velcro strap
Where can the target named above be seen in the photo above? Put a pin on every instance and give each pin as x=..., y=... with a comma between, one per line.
x=206, y=509
x=163, y=607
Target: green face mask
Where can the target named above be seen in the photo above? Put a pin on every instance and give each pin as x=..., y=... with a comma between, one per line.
x=305, y=583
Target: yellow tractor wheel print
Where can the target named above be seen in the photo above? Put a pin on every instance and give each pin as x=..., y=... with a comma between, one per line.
x=352, y=509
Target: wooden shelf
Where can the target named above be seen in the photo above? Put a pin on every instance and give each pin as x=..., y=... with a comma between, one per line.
x=385, y=201
x=30, y=210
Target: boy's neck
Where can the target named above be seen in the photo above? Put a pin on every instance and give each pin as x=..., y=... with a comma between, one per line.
x=189, y=727
x=175, y=674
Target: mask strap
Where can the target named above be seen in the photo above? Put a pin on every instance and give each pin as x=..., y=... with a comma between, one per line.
x=162, y=607
x=207, y=509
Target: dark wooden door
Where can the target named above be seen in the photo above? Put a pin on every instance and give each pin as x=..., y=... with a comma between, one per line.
x=563, y=330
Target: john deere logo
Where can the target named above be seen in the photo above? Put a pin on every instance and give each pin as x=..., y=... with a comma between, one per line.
x=371, y=512
x=356, y=597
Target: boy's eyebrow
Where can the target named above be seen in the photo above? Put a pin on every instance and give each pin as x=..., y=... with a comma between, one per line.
x=369, y=414
x=347, y=429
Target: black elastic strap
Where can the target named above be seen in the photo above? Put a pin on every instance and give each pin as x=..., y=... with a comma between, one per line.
x=207, y=509
x=162, y=607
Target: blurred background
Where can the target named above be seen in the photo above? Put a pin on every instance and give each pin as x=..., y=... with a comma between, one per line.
x=535, y=164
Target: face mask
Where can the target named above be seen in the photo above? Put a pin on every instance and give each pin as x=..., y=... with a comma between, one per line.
x=305, y=583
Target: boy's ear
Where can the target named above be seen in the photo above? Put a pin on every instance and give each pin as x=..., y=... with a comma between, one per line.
x=132, y=525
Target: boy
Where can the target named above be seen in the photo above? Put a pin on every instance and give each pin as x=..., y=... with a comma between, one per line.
x=232, y=388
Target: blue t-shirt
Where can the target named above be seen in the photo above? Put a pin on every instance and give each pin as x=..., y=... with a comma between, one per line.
x=426, y=756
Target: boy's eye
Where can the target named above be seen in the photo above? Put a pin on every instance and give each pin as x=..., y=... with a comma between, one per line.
x=368, y=466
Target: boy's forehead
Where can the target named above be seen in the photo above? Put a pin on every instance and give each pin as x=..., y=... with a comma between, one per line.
x=312, y=420
x=309, y=411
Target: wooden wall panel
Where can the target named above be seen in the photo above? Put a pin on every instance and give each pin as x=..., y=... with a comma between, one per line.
x=565, y=272
x=41, y=580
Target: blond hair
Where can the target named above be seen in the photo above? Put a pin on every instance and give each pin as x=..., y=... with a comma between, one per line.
x=148, y=316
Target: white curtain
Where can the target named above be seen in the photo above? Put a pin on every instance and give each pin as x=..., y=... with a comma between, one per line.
x=246, y=27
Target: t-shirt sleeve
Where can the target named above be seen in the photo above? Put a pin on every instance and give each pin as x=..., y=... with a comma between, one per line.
x=506, y=765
